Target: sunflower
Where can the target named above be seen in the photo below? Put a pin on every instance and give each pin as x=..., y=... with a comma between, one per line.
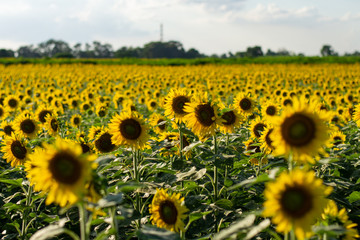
x=75, y=120
x=257, y=126
x=7, y=128
x=267, y=144
x=244, y=103
x=26, y=126
x=231, y=119
x=202, y=117
x=103, y=142
x=336, y=138
x=356, y=115
x=3, y=112
x=175, y=102
x=42, y=112
x=158, y=122
x=300, y=131
x=270, y=110
x=52, y=124
x=333, y=216
x=171, y=142
x=129, y=129
x=168, y=211
x=61, y=170
x=101, y=110
x=11, y=102
x=15, y=150
x=295, y=200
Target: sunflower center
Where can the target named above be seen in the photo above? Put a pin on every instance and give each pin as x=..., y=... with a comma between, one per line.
x=13, y=103
x=153, y=104
x=130, y=129
x=76, y=121
x=65, y=168
x=102, y=113
x=337, y=140
x=104, y=144
x=85, y=147
x=178, y=104
x=271, y=110
x=258, y=128
x=18, y=150
x=245, y=104
x=205, y=114
x=288, y=102
x=27, y=126
x=168, y=212
x=229, y=118
x=43, y=114
x=1, y=112
x=161, y=126
x=296, y=201
x=54, y=125
x=8, y=130
x=298, y=130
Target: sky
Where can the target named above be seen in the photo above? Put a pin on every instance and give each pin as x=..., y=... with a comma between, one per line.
x=210, y=26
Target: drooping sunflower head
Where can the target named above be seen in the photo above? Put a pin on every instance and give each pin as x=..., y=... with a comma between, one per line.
x=336, y=138
x=129, y=129
x=158, y=122
x=175, y=103
x=301, y=131
x=244, y=103
x=52, y=124
x=295, y=200
x=61, y=170
x=257, y=127
x=42, y=112
x=15, y=150
x=231, y=119
x=267, y=144
x=103, y=142
x=26, y=126
x=168, y=211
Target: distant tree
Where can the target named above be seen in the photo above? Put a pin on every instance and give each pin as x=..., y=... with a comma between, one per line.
x=102, y=50
x=283, y=52
x=327, y=50
x=193, y=53
x=231, y=55
x=28, y=52
x=254, y=51
x=6, y=53
x=129, y=52
x=171, y=49
x=270, y=53
x=52, y=47
x=240, y=54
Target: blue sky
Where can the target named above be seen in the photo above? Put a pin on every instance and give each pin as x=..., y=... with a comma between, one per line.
x=211, y=26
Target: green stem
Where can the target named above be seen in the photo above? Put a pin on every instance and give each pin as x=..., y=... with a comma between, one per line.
x=114, y=223
x=25, y=213
x=216, y=185
x=82, y=219
x=291, y=161
x=137, y=180
x=181, y=142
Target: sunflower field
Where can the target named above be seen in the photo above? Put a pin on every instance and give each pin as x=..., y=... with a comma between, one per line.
x=255, y=151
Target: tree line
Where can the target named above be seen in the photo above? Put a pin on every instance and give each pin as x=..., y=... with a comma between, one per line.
x=157, y=49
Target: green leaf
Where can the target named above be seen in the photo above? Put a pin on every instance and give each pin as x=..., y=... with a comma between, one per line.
x=354, y=196
x=51, y=231
x=153, y=233
x=197, y=215
x=224, y=203
x=236, y=227
x=257, y=229
x=110, y=200
x=17, y=182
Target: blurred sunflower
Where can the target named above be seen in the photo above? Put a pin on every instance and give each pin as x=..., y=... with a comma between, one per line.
x=265, y=139
x=3, y=112
x=42, y=112
x=11, y=102
x=270, y=110
x=336, y=138
x=129, y=129
x=26, y=126
x=175, y=104
x=202, y=117
x=294, y=201
x=75, y=120
x=168, y=211
x=356, y=115
x=61, y=170
x=15, y=150
x=300, y=131
x=94, y=131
